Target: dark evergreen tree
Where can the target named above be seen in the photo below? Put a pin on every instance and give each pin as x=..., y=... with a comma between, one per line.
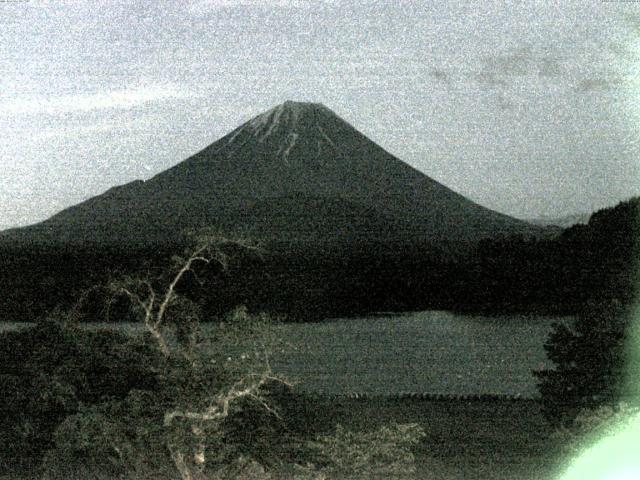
x=590, y=361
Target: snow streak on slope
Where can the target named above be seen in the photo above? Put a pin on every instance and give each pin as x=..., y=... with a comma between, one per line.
x=284, y=116
x=281, y=124
x=291, y=142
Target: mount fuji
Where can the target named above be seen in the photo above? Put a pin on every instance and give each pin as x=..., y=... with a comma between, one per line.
x=295, y=172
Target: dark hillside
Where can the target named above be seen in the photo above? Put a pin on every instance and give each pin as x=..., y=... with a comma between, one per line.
x=596, y=262
x=309, y=280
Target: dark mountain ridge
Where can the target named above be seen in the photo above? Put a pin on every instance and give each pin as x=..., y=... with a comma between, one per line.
x=297, y=172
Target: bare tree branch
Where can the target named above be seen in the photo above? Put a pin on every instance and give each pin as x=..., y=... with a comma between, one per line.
x=223, y=401
x=154, y=305
x=169, y=294
x=154, y=314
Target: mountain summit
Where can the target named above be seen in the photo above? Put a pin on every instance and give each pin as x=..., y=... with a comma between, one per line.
x=295, y=172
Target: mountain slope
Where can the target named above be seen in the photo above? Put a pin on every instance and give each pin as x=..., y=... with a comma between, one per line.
x=295, y=171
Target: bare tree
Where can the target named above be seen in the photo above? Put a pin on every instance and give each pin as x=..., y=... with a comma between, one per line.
x=154, y=304
x=242, y=344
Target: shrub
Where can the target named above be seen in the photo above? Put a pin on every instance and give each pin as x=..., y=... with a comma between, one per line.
x=118, y=438
x=50, y=371
x=384, y=453
x=589, y=358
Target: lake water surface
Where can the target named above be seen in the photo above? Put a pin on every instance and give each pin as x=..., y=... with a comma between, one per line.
x=418, y=352
x=421, y=352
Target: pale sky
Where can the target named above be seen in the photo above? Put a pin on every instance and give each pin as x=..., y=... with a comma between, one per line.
x=529, y=108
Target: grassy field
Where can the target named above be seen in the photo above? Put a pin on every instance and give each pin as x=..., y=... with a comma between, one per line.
x=488, y=440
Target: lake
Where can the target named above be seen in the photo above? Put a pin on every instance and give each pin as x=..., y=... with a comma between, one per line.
x=420, y=352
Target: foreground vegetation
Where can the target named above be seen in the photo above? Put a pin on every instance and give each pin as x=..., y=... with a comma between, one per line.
x=173, y=401
x=473, y=439
x=178, y=401
x=77, y=433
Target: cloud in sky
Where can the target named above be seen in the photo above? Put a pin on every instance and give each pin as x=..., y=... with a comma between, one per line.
x=514, y=64
x=497, y=72
x=598, y=84
x=78, y=130
x=490, y=79
x=85, y=102
x=440, y=75
x=205, y=6
x=501, y=72
x=520, y=63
